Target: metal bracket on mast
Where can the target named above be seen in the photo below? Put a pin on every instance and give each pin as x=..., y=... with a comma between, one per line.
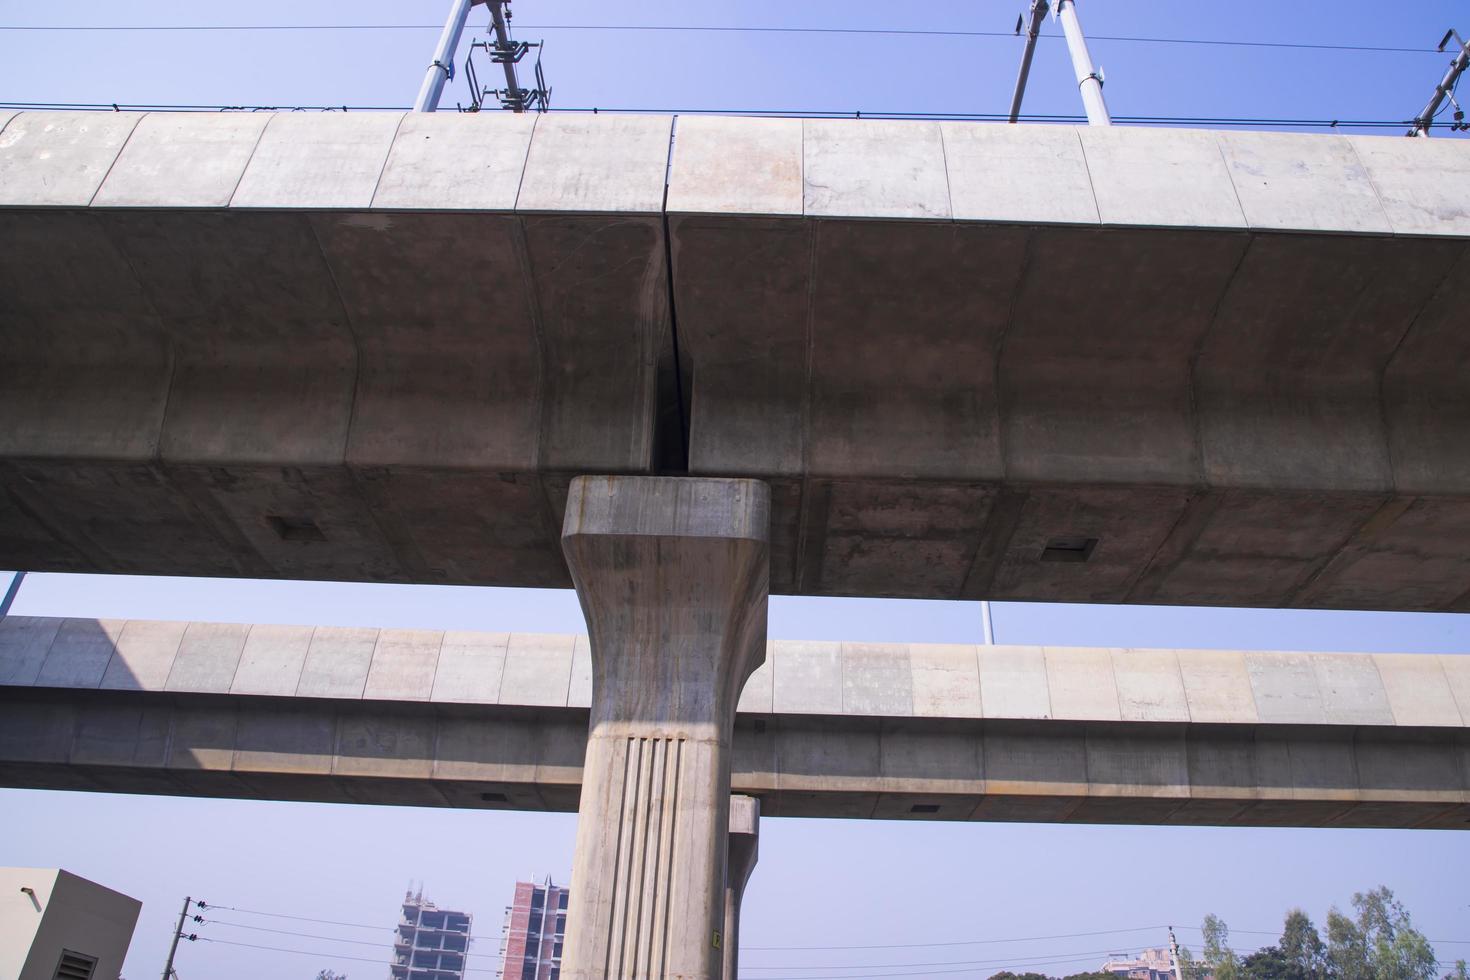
x=1445, y=90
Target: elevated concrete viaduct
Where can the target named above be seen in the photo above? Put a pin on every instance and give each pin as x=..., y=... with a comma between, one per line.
x=971, y=361
x=886, y=731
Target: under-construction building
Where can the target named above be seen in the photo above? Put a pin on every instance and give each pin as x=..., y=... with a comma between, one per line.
x=535, y=926
x=431, y=943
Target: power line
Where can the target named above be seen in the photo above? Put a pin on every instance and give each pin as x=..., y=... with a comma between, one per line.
x=719, y=29
x=1246, y=121
x=330, y=939
x=969, y=942
x=333, y=955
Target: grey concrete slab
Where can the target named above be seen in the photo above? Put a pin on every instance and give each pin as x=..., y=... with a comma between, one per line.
x=946, y=680
x=271, y=660
x=456, y=161
x=859, y=168
x=470, y=667
x=915, y=761
x=337, y=662
x=538, y=669
x=1217, y=685
x=1026, y=174
x=579, y=688
x=1174, y=178
x=132, y=735
x=59, y=158
x=1035, y=762
x=24, y=642
x=1013, y=682
x=1302, y=181
x=1123, y=763
x=258, y=332
x=1423, y=184
x=597, y=163
x=724, y=165
x=317, y=160
x=384, y=744
x=208, y=657
x=404, y=665
x=1457, y=672
x=1417, y=689
x=757, y=696
x=877, y=679
x=807, y=678
x=80, y=653
x=1150, y=687
x=286, y=740
x=203, y=738
x=1352, y=692
x=1080, y=683
x=1285, y=688
x=183, y=160
x=401, y=286
x=143, y=657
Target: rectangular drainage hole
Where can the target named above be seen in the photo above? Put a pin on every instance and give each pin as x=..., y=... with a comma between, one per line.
x=494, y=798
x=296, y=528
x=1070, y=547
x=924, y=808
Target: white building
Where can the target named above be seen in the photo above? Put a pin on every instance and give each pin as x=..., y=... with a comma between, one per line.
x=57, y=926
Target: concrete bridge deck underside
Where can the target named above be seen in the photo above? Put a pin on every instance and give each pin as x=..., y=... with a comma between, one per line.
x=1222, y=368
x=893, y=731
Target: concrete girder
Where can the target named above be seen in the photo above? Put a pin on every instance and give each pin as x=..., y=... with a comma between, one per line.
x=887, y=731
x=1234, y=359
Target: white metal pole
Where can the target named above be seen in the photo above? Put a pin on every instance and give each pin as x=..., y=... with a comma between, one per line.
x=442, y=67
x=1089, y=82
x=986, y=623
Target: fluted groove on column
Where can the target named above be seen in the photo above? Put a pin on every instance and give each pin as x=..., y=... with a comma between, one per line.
x=643, y=884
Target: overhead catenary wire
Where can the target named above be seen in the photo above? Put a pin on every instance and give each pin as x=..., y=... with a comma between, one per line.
x=1224, y=121
x=724, y=29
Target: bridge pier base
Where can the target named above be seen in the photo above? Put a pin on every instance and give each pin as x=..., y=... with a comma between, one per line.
x=672, y=574
x=745, y=818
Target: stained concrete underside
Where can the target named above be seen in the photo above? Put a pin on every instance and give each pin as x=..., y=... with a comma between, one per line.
x=377, y=347
x=900, y=731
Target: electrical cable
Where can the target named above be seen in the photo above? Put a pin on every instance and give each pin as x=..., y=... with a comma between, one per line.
x=766, y=113
x=330, y=939
x=967, y=942
x=718, y=29
x=311, y=952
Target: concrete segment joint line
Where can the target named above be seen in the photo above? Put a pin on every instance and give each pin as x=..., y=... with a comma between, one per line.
x=108, y=172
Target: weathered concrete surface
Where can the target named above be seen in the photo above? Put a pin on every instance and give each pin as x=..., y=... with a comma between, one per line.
x=1186, y=736
x=740, y=860
x=1251, y=390
x=673, y=577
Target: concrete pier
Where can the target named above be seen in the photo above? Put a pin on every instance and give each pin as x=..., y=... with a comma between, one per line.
x=744, y=851
x=673, y=576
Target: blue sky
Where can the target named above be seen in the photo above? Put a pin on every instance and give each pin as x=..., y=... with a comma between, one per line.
x=877, y=883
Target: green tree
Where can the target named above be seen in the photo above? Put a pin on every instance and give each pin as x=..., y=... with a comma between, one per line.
x=1303, y=947
x=1189, y=967
x=1008, y=975
x=1379, y=944
x=1460, y=972
x=1220, y=959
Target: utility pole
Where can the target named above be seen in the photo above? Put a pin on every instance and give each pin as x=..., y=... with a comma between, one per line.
x=168, y=968
x=1174, y=954
x=10, y=594
x=985, y=622
x=1037, y=14
x=504, y=44
x=1445, y=89
x=1089, y=79
x=441, y=69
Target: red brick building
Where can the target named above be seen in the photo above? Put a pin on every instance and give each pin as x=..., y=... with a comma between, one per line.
x=535, y=925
